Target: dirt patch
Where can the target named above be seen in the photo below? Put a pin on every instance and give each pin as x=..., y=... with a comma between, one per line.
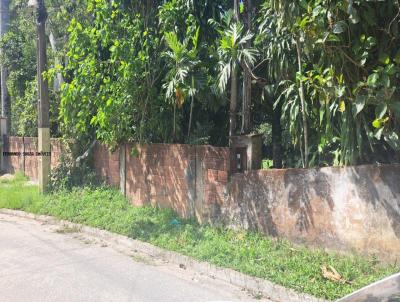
x=7, y=177
x=31, y=183
x=65, y=229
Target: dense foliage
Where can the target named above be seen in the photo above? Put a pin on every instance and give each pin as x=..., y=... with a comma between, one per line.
x=320, y=79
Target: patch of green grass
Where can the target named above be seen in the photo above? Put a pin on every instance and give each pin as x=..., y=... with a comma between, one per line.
x=279, y=261
x=16, y=194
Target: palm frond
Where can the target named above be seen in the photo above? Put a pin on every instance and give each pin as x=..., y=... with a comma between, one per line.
x=224, y=76
x=248, y=55
x=173, y=43
x=246, y=38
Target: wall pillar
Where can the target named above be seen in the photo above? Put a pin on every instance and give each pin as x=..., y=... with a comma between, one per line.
x=191, y=175
x=122, y=169
x=246, y=153
x=22, y=166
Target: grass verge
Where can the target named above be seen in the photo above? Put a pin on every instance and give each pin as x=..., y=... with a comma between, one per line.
x=279, y=261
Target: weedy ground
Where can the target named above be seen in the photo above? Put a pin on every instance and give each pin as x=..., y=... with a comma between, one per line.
x=251, y=253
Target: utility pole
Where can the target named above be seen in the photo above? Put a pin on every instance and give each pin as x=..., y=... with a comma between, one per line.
x=44, y=148
x=5, y=99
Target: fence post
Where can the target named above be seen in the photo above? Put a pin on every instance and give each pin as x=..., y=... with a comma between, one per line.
x=122, y=169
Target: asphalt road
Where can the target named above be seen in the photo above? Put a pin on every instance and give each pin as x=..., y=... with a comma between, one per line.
x=40, y=262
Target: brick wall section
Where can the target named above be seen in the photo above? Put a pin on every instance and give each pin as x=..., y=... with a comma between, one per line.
x=188, y=179
x=106, y=164
x=13, y=145
x=57, y=149
x=162, y=175
x=28, y=164
x=212, y=169
x=31, y=162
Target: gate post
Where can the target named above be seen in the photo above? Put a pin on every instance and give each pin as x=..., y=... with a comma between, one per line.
x=246, y=152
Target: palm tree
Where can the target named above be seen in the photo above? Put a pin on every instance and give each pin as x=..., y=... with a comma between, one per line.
x=185, y=77
x=233, y=53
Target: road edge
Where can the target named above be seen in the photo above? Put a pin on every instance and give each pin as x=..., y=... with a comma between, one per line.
x=254, y=285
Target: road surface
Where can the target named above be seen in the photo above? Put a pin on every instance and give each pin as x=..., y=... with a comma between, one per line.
x=41, y=262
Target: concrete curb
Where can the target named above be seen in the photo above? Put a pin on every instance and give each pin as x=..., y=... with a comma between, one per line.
x=257, y=286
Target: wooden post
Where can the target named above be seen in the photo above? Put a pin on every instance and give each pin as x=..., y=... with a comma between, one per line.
x=236, y=10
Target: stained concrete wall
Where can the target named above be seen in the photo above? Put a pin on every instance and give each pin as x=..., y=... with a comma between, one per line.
x=351, y=208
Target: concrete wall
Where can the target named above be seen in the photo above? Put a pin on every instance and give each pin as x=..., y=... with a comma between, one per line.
x=352, y=208
x=346, y=209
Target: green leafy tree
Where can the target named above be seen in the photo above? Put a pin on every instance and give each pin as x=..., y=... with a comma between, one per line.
x=346, y=78
x=116, y=79
x=323, y=83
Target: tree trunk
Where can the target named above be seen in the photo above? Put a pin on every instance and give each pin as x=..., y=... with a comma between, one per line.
x=190, y=118
x=234, y=81
x=236, y=10
x=277, y=137
x=246, y=104
x=233, y=101
x=303, y=103
x=5, y=98
x=191, y=112
x=59, y=79
x=174, y=129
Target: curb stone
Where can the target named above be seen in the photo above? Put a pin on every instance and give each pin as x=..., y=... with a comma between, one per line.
x=254, y=285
